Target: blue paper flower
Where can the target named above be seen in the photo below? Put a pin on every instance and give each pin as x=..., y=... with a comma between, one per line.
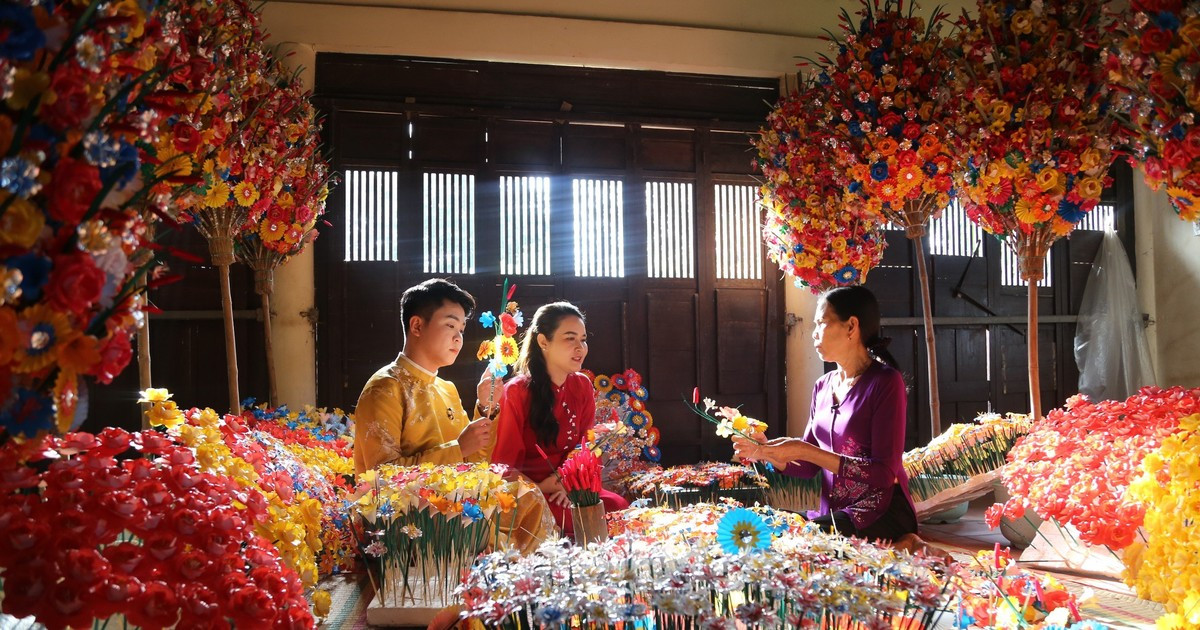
x=846, y=275
x=486, y=319
x=35, y=271
x=879, y=171
x=741, y=530
x=651, y=453
x=22, y=35
x=472, y=510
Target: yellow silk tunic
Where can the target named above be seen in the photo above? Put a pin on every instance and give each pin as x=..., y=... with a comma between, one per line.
x=406, y=415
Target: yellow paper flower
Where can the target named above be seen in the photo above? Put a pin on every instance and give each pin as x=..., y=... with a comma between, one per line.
x=153, y=395
x=22, y=222
x=218, y=195
x=43, y=331
x=245, y=193
x=507, y=349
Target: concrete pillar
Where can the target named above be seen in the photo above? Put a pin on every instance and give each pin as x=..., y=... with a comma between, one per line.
x=294, y=298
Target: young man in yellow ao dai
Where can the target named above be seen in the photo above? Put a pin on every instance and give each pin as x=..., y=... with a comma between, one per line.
x=407, y=415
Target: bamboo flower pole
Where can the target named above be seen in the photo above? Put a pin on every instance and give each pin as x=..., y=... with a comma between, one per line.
x=1031, y=252
x=219, y=225
x=264, y=261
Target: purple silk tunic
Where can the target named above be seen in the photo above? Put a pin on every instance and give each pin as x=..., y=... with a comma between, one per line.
x=867, y=431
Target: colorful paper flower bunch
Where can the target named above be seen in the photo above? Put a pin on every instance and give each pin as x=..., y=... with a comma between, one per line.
x=624, y=427
x=84, y=94
x=1076, y=465
x=995, y=593
x=580, y=477
x=316, y=447
x=1161, y=566
x=429, y=519
x=215, y=58
x=698, y=523
x=286, y=177
x=1153, y=68
x=1033, y=119
x=815, y=235
x=304, y=504
x=886, y=108
x=794, y=580
x=963, y=451
x=130, y=525
x=711, y=475
x=501, y=351
x=729, y=420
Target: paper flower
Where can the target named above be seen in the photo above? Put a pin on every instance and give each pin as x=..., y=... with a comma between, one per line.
x=741, y=531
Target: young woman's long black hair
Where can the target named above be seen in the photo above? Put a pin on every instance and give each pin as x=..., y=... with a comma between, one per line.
x=858, y=301
x=533, y=362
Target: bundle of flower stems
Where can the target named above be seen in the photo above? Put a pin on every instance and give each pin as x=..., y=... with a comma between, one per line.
x=962, y=452
x=794, y=494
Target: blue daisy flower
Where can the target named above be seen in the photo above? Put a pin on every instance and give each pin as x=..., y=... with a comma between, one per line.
x=741, y=530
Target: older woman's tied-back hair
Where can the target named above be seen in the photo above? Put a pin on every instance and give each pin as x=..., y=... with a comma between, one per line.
x=858, y=301
x=533, y=362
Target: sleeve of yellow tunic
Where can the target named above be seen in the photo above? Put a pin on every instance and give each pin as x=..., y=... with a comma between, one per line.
x=407, y=416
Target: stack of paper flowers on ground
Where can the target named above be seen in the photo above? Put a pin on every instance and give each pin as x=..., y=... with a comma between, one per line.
x=298, y=462
x=963, y=451
x=624, y=429
x=993, y=592
x=1075, y=466
x=713, y=567
x=419, y=527
x=705, y=482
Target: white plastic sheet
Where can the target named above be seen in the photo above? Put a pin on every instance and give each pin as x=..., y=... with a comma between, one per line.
x=1110, y=341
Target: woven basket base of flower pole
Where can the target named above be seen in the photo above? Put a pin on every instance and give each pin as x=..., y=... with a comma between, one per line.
x=1058, y=548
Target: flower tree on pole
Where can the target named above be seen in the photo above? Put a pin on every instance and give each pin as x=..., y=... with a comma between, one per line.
x=887, y=86
x=1034, y=124
x=811, y=232
x=1154, y=67
x=287, y=162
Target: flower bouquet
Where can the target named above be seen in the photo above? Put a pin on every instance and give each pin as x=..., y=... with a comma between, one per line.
x=580, y=478
x=87, y=91
x=1035, y=125
x=962, y=452
x=287, y=163
x=995, y=593
x=501, y=351
x=418, y=527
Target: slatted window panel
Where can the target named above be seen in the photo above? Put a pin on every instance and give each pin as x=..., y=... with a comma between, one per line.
x=448, y=210
x=525, y=225
x=370, y=214
x=1010, y=269
x=739, y=223
x=599, y=218
x=1100, y=219
x=670, y=230
x=954, y=234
